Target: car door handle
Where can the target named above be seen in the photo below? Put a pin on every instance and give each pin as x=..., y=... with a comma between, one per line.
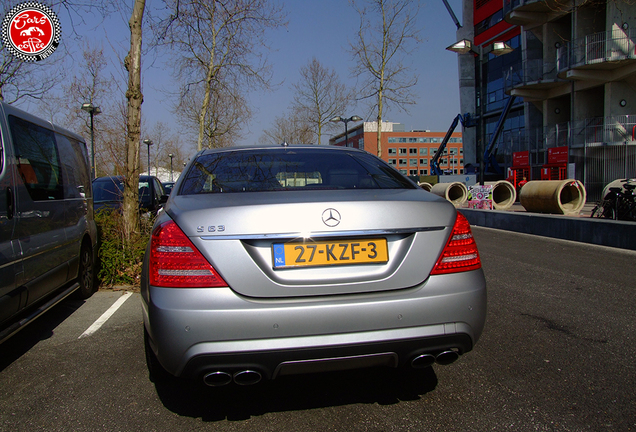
x=10, y=203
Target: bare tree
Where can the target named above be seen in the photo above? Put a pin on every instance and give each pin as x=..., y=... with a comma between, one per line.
x=111, y=141
x=227, y=113
x=133, y=116
x=179, y=157
x=387, y=28
x=291, y=129
x=91, y=84
x=164, y=143
x=218, y=43
x=320, y=96
x=20, y=79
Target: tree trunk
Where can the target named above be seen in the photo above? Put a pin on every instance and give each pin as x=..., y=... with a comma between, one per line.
x=379, y=135
x=206, y=101
x=133, y=138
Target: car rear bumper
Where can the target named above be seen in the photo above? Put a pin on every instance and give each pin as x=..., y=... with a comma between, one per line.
x=197, y=331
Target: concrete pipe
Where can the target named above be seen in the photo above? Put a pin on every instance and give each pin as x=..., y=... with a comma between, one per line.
x=455, y=192
x=504, y=194
x=426, y=186
x=565, y=197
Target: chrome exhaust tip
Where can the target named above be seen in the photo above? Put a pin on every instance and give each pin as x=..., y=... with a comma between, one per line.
x=247, y=377
x=423, y=361
x=446, y=357
x=217, y=379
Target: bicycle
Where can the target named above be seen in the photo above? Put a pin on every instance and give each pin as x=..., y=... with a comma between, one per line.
x=618, y=204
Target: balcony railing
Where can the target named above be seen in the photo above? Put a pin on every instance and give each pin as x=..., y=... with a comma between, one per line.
x=510, y=5
x=596, y=131
x=596, y=48
x=529, y=71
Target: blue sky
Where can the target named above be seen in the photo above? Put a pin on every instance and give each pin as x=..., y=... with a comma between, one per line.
x=321, y=29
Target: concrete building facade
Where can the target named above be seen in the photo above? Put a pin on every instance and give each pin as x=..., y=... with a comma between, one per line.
x=572, y=77
x=410, y=152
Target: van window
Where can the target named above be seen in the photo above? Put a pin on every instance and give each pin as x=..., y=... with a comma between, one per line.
x=75, y=167
x=38, y=161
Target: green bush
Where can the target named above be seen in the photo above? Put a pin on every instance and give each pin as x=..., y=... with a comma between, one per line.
x=119, y=260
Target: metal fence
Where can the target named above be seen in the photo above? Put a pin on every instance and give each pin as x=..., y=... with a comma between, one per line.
x=529, y=71
x=601, y=149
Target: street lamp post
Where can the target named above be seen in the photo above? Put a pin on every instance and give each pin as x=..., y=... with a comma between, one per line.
x=465, y=46
x=170, y=156
x=93, y=111
x=354, y=118
x=148, y=142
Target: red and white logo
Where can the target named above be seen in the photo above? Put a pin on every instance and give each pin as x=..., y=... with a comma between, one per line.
x=31, y=31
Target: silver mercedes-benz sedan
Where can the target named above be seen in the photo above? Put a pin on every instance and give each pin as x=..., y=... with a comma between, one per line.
x=271, y=261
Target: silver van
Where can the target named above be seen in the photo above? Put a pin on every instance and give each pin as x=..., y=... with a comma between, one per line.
x=47, y=233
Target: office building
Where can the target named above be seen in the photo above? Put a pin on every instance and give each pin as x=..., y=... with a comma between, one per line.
x=410, y=152
x=570, y=72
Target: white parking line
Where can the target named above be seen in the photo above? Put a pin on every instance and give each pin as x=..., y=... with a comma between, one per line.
x=102, y=319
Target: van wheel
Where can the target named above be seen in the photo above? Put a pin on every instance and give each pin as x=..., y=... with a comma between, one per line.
x=86, y=273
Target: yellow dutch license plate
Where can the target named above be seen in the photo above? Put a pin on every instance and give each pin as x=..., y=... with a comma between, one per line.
x=328, y=253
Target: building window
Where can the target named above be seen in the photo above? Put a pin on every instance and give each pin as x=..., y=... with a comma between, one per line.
x=402, y=151
x=392, y=161
x=403, y=171
x=392, y=151
x=413, y=151
x=423, y=151
x=402, y=162
x=413, y=172
x=423, y=172
x=423, y=161
x=412, y=162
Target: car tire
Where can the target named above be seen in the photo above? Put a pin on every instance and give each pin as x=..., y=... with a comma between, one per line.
x=86, y=273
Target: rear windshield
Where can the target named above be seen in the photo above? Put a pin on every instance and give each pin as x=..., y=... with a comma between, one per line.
x=108, y=190
x=292, y=169
x=112, y=189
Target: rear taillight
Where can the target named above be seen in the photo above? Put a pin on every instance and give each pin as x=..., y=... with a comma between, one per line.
x=176, y=262
x=460, y=253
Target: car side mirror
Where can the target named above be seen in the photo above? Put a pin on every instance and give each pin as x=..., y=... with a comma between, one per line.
x=163, y=199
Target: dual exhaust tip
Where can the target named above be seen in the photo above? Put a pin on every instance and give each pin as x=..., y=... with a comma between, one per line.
x=251, y=377
x=425, y=360
x=220, y=378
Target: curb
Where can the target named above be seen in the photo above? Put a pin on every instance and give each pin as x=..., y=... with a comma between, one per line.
x=604, y=232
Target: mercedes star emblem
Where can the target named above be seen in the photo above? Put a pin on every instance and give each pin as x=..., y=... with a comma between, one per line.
x=331, y=217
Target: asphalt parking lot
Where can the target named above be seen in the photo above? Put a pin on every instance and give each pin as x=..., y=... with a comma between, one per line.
x=557, y=354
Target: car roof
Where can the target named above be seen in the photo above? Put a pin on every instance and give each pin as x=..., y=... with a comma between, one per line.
x=283, y=147
x=121, y=178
